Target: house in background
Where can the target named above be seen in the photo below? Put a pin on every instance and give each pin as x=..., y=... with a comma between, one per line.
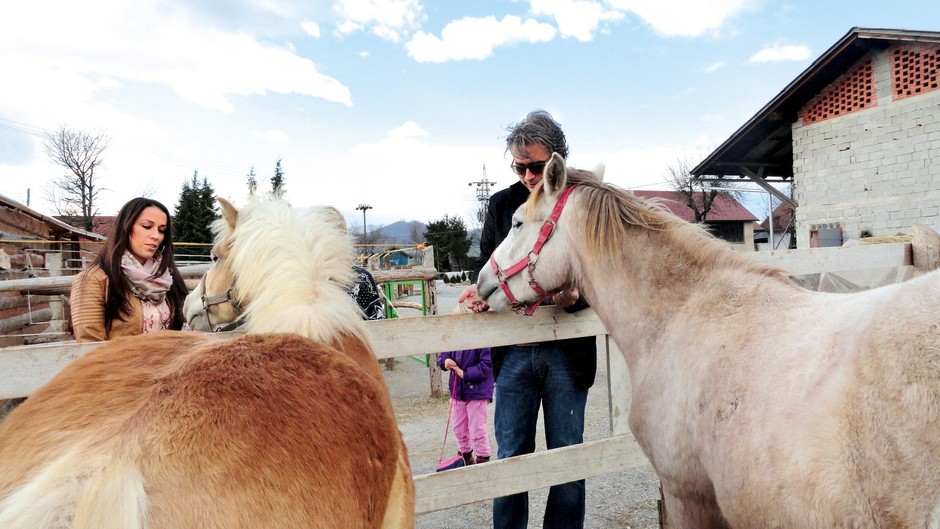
x=35, y=245
x=784, y=231
x=857, y=134
x=728, y=219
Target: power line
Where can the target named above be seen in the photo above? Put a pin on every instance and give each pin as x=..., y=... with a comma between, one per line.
x=22, y=128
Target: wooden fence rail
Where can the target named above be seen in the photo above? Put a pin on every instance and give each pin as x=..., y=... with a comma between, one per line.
x=25, y=368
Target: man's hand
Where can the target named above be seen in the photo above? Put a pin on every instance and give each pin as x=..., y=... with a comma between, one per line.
x=566, y=298
x=470, y=297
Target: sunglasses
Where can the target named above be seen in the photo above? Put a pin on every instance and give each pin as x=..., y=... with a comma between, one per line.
x=535, y=168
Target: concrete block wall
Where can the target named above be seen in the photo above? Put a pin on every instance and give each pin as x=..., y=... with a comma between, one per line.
x=875, y=170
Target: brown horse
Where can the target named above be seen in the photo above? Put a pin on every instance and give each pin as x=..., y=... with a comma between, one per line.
x=288, y=426
x=758, y=403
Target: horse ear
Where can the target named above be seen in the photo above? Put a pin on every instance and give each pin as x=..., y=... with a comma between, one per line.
x=599, y=171
x=229, y=213
x=556, y=175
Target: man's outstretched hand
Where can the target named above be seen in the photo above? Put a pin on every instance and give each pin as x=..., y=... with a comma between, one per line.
x=470, y=297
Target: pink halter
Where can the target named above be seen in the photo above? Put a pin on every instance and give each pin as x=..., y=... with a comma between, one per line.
x=531, y=259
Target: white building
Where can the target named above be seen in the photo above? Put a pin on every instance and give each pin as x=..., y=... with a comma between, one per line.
x=858, y=135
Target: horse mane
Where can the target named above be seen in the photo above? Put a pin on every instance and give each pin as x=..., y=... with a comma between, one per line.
x=615, y=212
x=291, y=266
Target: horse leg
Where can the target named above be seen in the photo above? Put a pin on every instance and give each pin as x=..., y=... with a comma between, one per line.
x=400, y=510
x=691, y=513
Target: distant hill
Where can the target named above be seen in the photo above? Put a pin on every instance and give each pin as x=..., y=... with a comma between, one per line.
x=400, y=232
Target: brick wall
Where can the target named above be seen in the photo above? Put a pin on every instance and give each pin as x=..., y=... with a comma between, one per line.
x=876, y=169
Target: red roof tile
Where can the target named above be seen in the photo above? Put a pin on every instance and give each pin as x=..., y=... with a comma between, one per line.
x=783, y=216
x=724, y=209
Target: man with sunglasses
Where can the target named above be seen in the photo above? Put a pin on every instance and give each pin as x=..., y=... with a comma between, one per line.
x=554, y=375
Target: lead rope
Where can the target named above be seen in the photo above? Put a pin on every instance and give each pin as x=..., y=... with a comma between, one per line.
x=450, y=410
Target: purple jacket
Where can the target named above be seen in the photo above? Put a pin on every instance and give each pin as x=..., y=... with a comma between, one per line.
x=477, y=381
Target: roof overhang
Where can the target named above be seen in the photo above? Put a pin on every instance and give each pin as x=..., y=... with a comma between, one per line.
x=57, y=229
x=762, y=149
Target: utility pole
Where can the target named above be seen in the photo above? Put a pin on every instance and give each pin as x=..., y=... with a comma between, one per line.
x=483, y=194
x=364, y=207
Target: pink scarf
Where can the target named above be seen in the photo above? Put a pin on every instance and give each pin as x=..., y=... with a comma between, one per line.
x=141, y=279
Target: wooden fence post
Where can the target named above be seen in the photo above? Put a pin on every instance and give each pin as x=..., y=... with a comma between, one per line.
x=925, y=247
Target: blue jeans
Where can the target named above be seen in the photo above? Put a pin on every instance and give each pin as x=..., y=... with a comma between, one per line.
x=530, y=376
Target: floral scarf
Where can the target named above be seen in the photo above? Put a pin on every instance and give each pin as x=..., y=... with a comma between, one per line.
x=141, y=280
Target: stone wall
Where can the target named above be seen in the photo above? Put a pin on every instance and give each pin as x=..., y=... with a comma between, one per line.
x=874, y=169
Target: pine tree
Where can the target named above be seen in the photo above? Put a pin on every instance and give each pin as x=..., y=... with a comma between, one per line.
x=194, y=215
x=252, y=181
x=277, y=181
x=450, y=241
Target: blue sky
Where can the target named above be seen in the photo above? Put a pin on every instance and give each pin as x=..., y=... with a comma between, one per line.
x=398, y=104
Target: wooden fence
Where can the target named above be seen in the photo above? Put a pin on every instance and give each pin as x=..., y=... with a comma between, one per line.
x=25, y=368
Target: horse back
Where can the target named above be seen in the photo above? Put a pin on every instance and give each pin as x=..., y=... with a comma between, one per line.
x=262, y=431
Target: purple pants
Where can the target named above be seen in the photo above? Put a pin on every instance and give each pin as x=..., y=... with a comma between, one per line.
x=470, y=426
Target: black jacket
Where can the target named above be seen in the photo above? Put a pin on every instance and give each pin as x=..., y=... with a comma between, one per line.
x=503, y=204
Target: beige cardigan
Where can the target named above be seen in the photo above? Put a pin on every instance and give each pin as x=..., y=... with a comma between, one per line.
x=89, y=291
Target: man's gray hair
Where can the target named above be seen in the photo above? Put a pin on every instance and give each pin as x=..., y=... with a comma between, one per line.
x=537, y=127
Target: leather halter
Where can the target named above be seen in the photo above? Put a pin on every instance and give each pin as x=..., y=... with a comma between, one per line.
x=225, y=297
x=530, y=260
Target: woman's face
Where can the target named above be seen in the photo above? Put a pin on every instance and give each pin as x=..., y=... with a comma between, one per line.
x=147, y=233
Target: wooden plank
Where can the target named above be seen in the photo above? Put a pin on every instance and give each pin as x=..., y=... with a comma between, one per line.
x=618, y=387
x=926, y=248
x=433, y=334
x=444, y=490
x=24, y=368
x=817, y=260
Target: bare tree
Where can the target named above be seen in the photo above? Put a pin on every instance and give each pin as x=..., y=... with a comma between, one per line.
x=375, y=235
x=697, y=197
x=416, y=232
x=75, y=193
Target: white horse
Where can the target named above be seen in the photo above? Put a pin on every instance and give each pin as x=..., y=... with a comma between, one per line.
x=759, y=404
x=286, y=427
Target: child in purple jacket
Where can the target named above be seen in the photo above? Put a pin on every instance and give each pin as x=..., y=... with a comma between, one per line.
x=471, y=385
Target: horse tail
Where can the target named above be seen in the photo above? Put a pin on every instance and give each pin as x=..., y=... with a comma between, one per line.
x=104, y=494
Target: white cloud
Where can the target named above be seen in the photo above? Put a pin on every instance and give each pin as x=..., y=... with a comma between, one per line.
x=140, y=42
x=575, y=18
x=311, y=28
x=476, y=38
x=409, y=130
x=715, y=66
x=683, y=18
x=392, y=20
x=780, y=52
x=272, y=136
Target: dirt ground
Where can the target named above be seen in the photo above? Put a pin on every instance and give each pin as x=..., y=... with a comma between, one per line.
x=622, y=500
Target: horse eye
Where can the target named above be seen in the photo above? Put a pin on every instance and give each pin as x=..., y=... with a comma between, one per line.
x=213, y=257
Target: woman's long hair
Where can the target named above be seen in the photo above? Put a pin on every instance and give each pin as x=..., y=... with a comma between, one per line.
x=117, y=303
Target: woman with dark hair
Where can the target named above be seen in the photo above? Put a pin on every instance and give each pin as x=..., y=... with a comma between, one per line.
x=133, y=286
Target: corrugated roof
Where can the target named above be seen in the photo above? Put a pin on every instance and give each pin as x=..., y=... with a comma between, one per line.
x=725, y=208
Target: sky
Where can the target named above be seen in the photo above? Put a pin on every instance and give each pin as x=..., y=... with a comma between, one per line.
x=401, y=105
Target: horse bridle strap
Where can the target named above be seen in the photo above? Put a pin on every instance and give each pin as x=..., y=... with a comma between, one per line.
x=225, y=297
x=529, y=261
